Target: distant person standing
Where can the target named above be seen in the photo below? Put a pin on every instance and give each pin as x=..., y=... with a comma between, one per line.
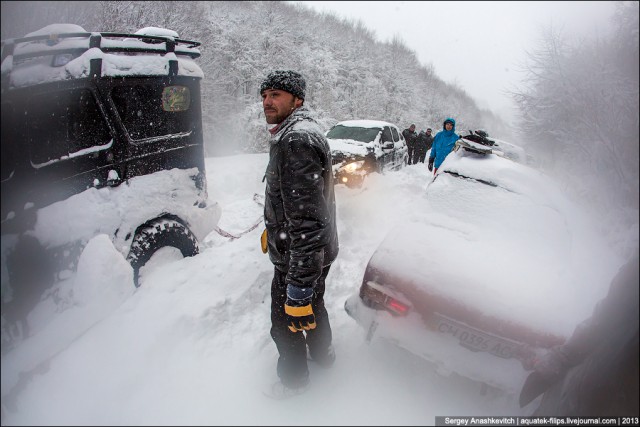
x=429, y=139
x=423, y=144
x=443, y=144
x=410, y=137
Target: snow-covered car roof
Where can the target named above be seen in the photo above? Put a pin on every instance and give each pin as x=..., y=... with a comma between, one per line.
x=65, y=51
x=366, y=123
x=511, y=151
x=496, y=146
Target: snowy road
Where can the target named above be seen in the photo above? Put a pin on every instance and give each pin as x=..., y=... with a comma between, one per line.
x=191, y=346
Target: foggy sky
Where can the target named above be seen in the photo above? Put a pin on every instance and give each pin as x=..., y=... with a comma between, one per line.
x=479, y=46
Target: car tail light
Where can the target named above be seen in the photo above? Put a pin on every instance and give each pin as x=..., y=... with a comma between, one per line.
x=378, y=297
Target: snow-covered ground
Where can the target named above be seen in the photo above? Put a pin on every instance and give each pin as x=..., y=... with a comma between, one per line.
x=191, y=346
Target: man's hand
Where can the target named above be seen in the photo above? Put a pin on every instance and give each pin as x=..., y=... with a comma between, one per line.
x=547, y=370
x=298, y=309
x=430, y=165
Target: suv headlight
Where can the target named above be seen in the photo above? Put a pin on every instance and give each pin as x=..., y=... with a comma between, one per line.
x=353, y=166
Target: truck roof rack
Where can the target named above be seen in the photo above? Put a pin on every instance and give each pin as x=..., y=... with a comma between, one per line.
x=66, y=46
x=55, y=44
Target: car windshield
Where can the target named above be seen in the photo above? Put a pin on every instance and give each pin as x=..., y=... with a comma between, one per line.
x=354, y=133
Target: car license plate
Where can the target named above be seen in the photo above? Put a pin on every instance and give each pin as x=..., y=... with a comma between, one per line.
x=474, y=339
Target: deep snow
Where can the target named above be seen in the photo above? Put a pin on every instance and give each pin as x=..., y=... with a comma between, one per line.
x=191, y=346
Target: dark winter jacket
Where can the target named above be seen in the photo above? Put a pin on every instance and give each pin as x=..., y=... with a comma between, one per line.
x=409, y=137
x=424, y=141
x=443, y=143
x=595, y=373
x=300, y=209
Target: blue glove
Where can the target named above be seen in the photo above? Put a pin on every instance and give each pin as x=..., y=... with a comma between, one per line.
x=298, y=309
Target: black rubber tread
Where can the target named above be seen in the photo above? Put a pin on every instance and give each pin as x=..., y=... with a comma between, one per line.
x=159, y=234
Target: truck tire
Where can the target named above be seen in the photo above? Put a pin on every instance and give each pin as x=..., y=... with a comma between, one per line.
x=156, y=235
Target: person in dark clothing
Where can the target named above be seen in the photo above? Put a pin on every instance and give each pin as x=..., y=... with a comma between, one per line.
x=410, y=137
x=429, y=139
x=595, y=373
x=423, y=144
x=301, y=233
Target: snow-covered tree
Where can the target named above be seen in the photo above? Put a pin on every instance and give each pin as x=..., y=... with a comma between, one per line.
x=579, y=111
x=350, y=75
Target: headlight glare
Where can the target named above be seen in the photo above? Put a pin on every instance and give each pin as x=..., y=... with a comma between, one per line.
x=353, y=166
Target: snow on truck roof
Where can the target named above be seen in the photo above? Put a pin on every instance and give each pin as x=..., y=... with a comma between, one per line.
x=64, y=51
x=57, y=29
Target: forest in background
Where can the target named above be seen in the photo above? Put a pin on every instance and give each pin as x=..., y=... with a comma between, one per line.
x=349, y=74
x=578, y=104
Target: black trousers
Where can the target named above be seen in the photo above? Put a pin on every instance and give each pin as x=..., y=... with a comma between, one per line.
x=411, y=151
x=292, y=346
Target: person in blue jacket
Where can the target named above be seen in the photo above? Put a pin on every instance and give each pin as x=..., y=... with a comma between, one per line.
x=443, y=144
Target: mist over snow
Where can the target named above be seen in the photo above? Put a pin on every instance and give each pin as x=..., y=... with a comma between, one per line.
x=191, y=346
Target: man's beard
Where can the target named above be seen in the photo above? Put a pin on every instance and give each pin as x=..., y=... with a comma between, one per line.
x=279, y=115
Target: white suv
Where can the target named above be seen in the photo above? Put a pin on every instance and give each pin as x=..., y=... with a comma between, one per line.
x=360, y=147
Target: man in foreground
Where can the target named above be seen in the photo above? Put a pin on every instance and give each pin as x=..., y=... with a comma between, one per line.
x=302, y=238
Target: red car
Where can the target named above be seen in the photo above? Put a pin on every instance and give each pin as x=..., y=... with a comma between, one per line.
x=486, y=274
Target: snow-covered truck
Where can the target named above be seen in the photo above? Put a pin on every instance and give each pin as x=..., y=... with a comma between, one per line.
x=101, y=134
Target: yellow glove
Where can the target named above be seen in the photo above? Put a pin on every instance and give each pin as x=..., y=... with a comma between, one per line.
x=298, y=309
x=263, y=241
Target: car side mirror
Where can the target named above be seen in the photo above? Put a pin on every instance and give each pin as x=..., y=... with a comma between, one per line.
x=388, y=145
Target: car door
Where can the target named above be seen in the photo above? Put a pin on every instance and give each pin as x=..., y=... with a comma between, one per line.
x=386, y=161
x=70, y=142
x=399, y=149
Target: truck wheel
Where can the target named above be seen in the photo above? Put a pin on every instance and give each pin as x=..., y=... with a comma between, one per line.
x=156, y=235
